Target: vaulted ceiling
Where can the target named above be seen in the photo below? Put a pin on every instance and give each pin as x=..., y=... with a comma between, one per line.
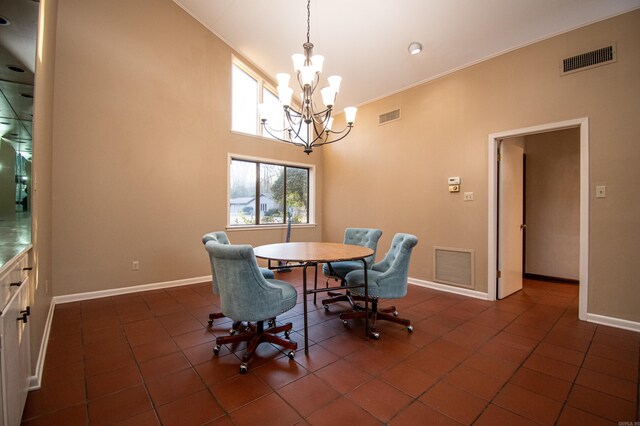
x=366, y=41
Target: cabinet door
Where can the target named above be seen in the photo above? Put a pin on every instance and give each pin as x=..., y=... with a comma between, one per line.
x=15, y=356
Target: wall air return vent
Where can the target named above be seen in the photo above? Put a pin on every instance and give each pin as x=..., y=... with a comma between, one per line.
x=453, y=266
x=388, y=117
x=588, y=60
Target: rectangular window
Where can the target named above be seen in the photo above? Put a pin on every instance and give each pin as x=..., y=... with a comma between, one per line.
x=247, y=91
x=244, y=102
x=277, y=192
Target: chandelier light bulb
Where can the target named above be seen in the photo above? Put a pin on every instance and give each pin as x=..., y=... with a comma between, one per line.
x=283, y=79
x=284, y=95
x=307, y=74
x=298, y=61
x=350, y=114
x=329, y=124
x=334, y=82
x=328, y=96
x=317, y=61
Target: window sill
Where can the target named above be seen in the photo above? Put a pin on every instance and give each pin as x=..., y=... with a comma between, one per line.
x=265, y=227
x=264, y=138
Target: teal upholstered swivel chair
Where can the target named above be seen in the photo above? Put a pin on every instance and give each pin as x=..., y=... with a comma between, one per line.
x=338, y=270
x=221, y=238
x=245, y=295
x=387, y=280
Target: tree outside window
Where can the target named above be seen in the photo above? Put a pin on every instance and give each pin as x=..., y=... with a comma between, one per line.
x=278, y=192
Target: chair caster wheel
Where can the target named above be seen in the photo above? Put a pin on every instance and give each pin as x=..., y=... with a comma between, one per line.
x=395, y=313
x=326, y=307
x=345, y=323
x=291, y=354
x=410, y=328
x=232, y=331
x=244, y=368
x=287, y=333
x=216, y=349
x=375, y=335
x=271, y=323
x=210, y=322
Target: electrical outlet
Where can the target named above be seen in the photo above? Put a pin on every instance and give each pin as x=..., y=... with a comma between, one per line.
x=468, y=196
x=135, y=265
x=601, y=191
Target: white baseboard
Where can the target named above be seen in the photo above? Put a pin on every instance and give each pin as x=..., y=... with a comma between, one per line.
x=67, y=298
x=449, y=289
x=614, y=322
x=36, y=381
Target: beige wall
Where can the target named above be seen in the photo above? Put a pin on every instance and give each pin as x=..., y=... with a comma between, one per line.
x=40, y=291
x=553, y=204
x=395, y=176
x=141, y=138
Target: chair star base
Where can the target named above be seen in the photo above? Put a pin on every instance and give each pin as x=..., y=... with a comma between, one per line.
x=337, y=297
x=257, y=335
x=385, y=314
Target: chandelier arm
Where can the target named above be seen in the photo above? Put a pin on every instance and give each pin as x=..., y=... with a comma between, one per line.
x=284, y=140
x=348, y=130
x=322, y=117
x=296, y=135
x=292, y=111
x=292, y=120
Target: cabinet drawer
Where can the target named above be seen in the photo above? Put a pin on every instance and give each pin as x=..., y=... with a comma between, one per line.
x=13, y=275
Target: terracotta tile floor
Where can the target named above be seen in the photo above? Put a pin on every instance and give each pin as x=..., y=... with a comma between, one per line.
x=146, y=358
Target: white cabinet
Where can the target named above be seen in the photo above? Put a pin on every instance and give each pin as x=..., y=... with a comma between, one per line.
x=14, y=340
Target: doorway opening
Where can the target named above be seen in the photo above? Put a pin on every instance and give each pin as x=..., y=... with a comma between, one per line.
x=495, y=279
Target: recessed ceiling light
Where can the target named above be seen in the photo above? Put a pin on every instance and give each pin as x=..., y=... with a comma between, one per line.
x=4, y=21
x=14, y=68
x=415, y=48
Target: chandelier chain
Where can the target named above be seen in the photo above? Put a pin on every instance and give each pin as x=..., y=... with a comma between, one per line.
x=308, y=19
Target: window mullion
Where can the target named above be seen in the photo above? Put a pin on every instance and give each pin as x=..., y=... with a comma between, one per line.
x=284, y=195
x=308, y=195
x=257, y=207
x=260, y=100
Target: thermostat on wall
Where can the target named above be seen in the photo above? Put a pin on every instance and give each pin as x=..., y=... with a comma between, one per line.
x=454, y=184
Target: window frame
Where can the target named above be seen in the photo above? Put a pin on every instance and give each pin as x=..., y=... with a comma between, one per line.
x=263, y=84
x=260, y=160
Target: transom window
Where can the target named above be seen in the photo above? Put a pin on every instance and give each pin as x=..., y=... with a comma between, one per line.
x=248, y=90
x=265, y=193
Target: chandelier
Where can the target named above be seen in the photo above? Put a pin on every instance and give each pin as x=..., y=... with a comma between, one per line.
x=308, y=126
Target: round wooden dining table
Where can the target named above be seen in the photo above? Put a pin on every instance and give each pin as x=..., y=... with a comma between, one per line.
x=311, y=254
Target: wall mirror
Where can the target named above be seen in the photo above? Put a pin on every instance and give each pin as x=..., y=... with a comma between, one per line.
x=18, y=32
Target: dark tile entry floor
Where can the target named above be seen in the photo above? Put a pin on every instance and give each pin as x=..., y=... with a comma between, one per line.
x=146, y=358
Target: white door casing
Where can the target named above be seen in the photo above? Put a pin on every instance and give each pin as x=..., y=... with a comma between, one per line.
x=493, y=139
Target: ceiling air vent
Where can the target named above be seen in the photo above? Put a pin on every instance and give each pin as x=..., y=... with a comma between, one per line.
x=585, y=61
x=387, y=117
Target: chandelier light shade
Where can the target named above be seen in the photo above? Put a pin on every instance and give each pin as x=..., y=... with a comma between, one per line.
x=307, y=126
